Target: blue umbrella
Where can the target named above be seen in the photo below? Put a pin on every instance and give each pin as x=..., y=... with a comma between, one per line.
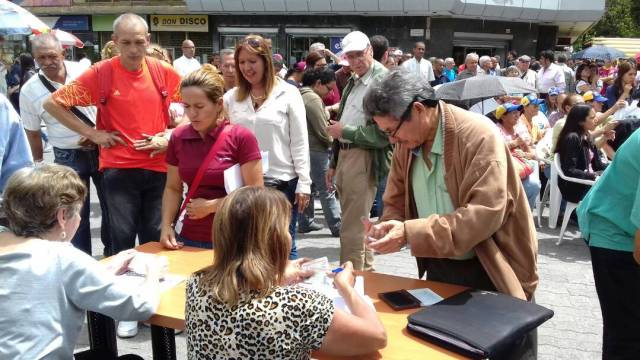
x=14, y=20
x=599, y=52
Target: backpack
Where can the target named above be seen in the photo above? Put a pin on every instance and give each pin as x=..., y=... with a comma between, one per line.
x=104, y=73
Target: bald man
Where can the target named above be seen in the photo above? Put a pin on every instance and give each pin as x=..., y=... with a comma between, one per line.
x=187, y=62
x=129, y=131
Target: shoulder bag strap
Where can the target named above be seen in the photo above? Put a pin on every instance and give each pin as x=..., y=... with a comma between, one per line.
x=196, y=181
x=73, y=109
x=157, y=75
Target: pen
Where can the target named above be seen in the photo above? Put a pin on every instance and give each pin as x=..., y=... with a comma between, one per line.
x=337, y=270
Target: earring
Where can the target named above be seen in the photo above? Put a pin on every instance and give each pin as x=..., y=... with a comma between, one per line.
x=63, y=236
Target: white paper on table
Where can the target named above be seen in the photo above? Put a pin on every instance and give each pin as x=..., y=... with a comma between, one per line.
x=133, y=281
x=338, y=301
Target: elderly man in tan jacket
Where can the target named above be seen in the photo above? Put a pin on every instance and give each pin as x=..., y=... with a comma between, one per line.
x=453, y=195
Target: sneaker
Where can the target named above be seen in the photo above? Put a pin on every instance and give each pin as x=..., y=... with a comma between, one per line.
x=127, y=329
x=47, y=148
x=314, y=226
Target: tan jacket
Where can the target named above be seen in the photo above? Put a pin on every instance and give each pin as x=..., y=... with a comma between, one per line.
x=492, y=214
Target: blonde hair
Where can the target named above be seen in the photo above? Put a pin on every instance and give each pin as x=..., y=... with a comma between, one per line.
x=208, y=79
x=109, y=50
x=33, y=197
x=251, y=238
x=257, y=45
x=158, y=52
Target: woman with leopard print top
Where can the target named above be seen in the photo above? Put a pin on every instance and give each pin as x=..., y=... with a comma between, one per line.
x=246, y=304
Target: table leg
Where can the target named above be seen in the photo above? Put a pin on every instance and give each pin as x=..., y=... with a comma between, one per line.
x=102, y=333
x=163, y=343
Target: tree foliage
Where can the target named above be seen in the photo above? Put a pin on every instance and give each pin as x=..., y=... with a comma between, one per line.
x=621, y=19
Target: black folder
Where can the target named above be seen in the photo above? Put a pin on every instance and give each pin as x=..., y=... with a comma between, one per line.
x=476, y=323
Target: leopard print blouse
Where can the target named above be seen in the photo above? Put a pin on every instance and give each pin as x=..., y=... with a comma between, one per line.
x=288, y=323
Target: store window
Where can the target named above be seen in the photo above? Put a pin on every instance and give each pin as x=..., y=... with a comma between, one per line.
x=231, y=36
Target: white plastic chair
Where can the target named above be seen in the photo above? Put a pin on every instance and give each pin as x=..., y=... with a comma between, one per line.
x=570, y=205
x=543, y=150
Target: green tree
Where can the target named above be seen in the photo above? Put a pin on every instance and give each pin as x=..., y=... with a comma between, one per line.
x=621, y=19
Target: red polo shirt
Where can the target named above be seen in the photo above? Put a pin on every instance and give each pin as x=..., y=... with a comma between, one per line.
x=187, y=150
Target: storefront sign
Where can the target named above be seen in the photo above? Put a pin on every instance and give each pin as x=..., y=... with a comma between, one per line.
x=42, y=2
x=335, y=44
x=195, y=23
x=416, y=32
x=67, y=22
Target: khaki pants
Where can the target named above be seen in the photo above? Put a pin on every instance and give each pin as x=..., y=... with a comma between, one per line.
x=357, y=190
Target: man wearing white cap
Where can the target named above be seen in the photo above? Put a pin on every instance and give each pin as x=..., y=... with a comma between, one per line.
x=361, y=153
x=418, y=64
x=526, y=74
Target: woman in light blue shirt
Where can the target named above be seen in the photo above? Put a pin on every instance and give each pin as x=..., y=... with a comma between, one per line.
x=47, y=284
x=609, y=218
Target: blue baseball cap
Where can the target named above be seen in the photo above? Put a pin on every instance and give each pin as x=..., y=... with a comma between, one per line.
x=531, y=99
x=506, y=108
x=554, y=91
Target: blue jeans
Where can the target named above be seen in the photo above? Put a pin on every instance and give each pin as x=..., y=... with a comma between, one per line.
x=379, y=204
x=198, y=244
x=330, y=207
x=288, y=188
x=85, y=163
x=532, y=186
x=134, y=201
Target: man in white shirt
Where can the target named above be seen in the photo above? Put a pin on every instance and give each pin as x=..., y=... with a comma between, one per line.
x=418, y=64
x=187, y=63
x=67, y=147
x=550, y=75
x=526, y=74
x=84, y=60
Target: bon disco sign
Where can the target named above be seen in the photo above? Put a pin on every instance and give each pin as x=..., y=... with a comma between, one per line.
x=194, y=23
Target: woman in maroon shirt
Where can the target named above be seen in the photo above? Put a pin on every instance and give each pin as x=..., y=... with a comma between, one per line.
x=202, y=92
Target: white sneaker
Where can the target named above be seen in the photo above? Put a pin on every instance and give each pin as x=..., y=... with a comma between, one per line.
x=127, y=329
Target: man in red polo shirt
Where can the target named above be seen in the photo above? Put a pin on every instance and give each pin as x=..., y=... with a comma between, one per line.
x=134, y=174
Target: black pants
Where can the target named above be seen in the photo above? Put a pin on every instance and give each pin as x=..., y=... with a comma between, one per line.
x=96, y=355
x=617, y=279
x=134, y=200
x=470, y=273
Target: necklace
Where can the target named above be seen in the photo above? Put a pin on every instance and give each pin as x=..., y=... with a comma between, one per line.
x=257, y=100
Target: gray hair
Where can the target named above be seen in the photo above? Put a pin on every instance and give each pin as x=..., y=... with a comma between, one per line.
x=128, y=18
x=395, y=92
x=470, y=56
x=45, y=40
x=483, y=60
x=316, y=47
x=449, y=61
x=225, y=52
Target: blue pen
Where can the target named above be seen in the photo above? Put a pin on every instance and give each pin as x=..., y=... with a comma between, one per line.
x=337, y=270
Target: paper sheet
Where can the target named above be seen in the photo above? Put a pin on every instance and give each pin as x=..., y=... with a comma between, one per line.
x=233, y=175
x=134, y=281
x=327, y=289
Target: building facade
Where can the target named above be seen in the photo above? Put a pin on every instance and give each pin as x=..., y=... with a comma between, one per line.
x=448, y=27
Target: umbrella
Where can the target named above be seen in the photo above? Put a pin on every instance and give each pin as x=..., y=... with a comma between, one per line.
x=599, y=52
x=14, y=20
x=483, y=86
x=67, y=39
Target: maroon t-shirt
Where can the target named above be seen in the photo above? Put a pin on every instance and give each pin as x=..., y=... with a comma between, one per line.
x=187, y=150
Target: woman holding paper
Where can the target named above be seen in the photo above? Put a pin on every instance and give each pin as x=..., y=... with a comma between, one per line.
x=244, y=306
x=198, y=154
x=274, y=111
x=47, y=284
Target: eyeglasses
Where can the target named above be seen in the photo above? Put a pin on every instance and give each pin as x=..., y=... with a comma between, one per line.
x=405, y=115
x=253, y=42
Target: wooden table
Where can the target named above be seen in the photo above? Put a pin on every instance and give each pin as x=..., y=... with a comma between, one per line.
x=170, y=314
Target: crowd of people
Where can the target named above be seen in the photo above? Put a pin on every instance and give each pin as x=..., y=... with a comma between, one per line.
x=364, y=132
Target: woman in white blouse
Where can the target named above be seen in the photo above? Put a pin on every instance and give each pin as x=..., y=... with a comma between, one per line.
x=275, y=112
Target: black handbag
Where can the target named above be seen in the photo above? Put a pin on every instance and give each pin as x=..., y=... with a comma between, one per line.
x=478, y=324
